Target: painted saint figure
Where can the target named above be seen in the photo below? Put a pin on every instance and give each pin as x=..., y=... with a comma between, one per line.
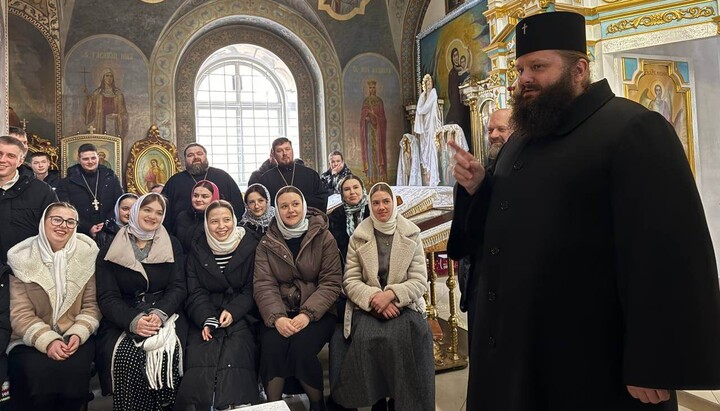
x=373, y=131
x=106, y=104
x=457, y=112
x=154, y=174
x=660, y=104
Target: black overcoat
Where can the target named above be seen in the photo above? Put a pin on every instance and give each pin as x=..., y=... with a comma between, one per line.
x=338, y=228
x=178, y=190
x=21, y=208
x=123, y=294
x=74, y=190
x=225, y=366
x=594, y=269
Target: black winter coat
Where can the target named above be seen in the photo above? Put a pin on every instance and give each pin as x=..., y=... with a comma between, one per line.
x=223, y=367
x=593, y=266
x=338, y=228
x=53, y=178
x=120, y=295
x=5, y=328
x=305, y=179
x=105, y=236
x=187, y=225
x=179, y=191
x=74, y=190
x=21, y=208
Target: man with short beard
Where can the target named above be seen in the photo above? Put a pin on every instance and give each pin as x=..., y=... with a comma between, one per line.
x=499, y=131
x=596, y=285
x=178, y=188
x=291, y=173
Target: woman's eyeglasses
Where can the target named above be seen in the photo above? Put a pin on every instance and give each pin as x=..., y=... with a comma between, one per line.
x=57, y=221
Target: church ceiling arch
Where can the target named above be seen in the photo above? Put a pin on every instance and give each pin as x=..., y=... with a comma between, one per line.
x=411, y=27
x=276, y=18
x=204, y=47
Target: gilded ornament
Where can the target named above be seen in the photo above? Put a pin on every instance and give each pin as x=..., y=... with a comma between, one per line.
x=658, y=19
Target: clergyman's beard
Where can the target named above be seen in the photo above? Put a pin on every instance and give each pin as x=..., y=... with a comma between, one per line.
x=494, y=150
x=541, y=115
x=197, y=169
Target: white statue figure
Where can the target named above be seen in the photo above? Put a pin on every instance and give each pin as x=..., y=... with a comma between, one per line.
x=427, y=123
x=408, y=173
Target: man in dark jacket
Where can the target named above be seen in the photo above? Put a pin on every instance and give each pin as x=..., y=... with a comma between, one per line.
x=92, y=188
x=178, y=188
x=596, y=285
x=22, y=199
x=291, y=173
x=40, y=164
x=21, y=135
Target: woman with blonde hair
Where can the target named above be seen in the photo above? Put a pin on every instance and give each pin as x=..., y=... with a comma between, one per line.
x=54, y=314
x=388, y=352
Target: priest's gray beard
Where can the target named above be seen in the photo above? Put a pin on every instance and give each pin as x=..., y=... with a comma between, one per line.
x=494, y=150
x=199, y=168
x=541, y=115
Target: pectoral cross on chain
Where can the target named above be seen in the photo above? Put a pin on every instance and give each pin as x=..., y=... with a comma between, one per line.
x=96, y=204
x=524, y=27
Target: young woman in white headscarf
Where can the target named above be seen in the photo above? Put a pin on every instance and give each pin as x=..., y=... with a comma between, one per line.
x=221, y=347
x=258, y=211
x=54, y=314
x=385, y=326
x=141, y=291
x=296, y=283
x=120, y=219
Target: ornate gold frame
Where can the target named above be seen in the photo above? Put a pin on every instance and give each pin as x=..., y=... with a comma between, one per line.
x=359, y=10
x=682, y=86
x=152, y=143
x=69, y=145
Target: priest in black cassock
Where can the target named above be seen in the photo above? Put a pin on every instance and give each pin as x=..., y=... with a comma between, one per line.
x=178, y=188
x=92, y=188
x=594, y=277
x=291, y=173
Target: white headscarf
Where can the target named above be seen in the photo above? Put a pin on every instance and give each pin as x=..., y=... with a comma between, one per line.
x=387, y=227
x=133, y=226
x=57, y=261
x=117, y=207
x=298, y=229
x=228, y=245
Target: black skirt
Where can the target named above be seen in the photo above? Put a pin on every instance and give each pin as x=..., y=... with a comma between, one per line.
x=34, y=374
x=296, y=356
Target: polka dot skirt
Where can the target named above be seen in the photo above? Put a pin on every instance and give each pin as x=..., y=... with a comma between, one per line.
x=131, y=389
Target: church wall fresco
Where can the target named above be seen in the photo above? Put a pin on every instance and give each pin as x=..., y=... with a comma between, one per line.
x=100, y=68
x=32, y=77
x=373, y=117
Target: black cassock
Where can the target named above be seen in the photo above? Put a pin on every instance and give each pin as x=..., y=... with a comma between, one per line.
x=595, y=269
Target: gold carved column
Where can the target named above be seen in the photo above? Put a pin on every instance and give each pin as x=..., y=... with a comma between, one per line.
x=475, y=95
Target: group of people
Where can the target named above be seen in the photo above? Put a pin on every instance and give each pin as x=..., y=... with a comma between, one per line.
x=592, y=279
x=201, y=297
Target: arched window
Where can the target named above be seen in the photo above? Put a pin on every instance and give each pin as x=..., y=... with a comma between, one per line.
x=245, y=97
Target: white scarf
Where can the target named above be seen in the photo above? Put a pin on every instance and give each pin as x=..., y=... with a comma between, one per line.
x=133, y=226
x=298, y=229
x=387, y=227
x=56, y=262
x=159, y=346
x=228, y=245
